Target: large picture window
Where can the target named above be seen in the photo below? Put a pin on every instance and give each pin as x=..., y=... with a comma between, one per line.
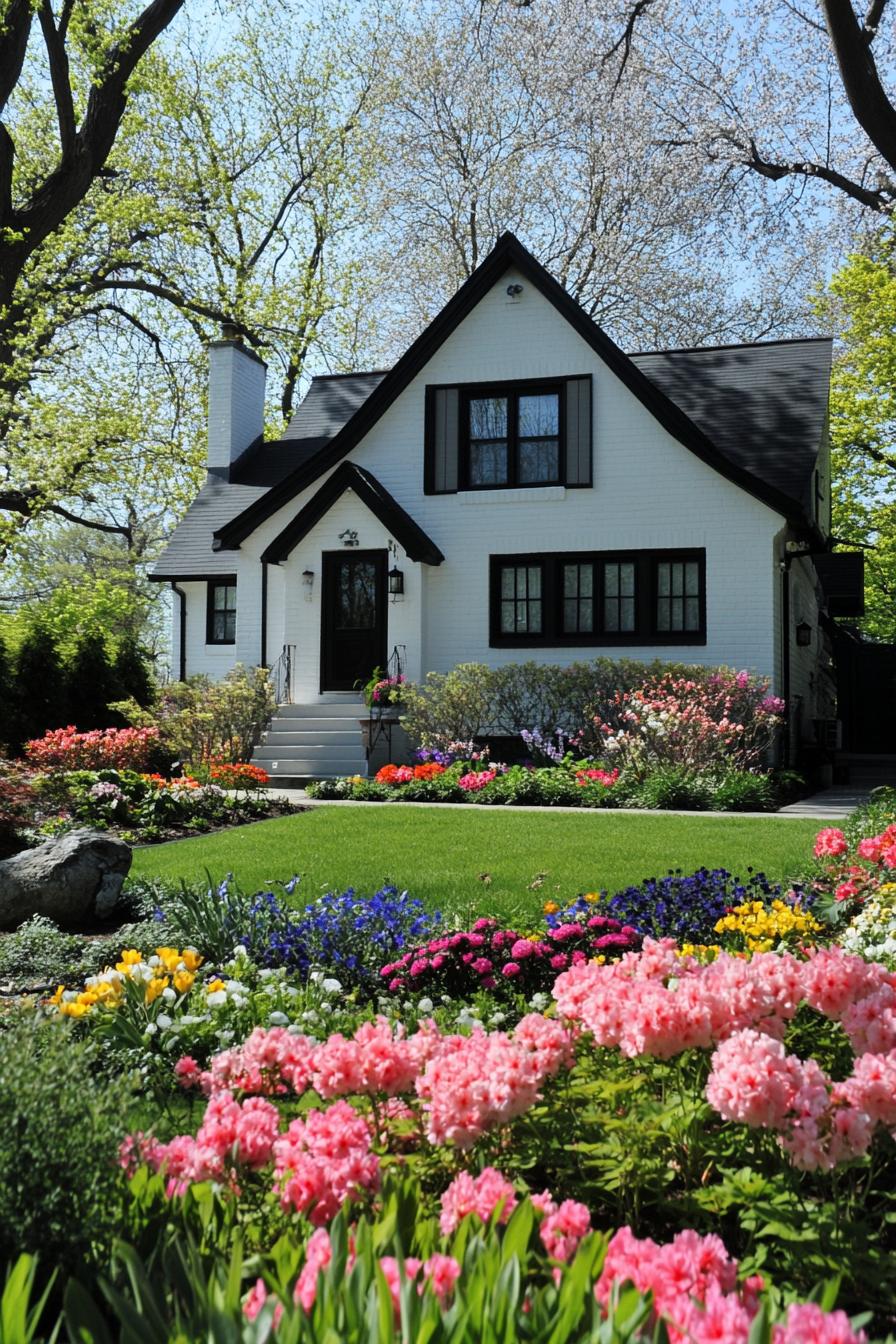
x=512, y=437
x=635, y=597
x=221, y=613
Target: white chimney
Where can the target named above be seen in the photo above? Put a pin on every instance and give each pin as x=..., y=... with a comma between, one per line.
x=236, y=379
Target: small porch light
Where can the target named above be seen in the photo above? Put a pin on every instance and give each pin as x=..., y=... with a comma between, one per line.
x=396, y=582
x=804, y=634
x=308, y=578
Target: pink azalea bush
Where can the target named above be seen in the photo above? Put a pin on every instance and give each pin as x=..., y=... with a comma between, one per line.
x=691, y=723
x=855, y=876
x=104, y=748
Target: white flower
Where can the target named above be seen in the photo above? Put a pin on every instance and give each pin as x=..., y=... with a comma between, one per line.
x=309, y=1015
x=216, y=997
x=538, y=1001
x=315, y=977
x=278, y=1019
x=239, y=1000
x=424, y=1006
x=266, y=972
x=224, y=1035
x=163, y=1021
x=151, y=1029
x=294, y=1029
x=168, y=994
x=331, y=986
x=234, y=987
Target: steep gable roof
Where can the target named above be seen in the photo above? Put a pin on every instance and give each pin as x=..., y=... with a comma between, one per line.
x=508, y=252
x=349, y=476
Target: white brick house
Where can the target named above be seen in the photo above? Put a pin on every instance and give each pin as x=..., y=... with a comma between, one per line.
x=537, y=494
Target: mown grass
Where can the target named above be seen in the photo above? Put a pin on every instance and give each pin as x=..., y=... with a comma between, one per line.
x=488, y=861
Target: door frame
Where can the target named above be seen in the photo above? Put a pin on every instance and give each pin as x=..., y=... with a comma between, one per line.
x=328, y=560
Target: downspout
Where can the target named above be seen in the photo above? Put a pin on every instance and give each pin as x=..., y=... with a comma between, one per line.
x=785, y=648
x=264, y=613
x=182, y=638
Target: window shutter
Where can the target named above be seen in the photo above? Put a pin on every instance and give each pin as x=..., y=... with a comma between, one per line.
x=442, y=441
x=578, y=431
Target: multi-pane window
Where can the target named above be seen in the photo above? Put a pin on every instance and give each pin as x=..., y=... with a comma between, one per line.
x=221, y=621
x=619, y=596
x=513, y=439
x=638, y=597
x=521, y=599
x=677, y=596
x=578, y=599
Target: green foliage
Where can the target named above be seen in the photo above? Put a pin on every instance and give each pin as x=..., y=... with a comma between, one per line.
x=201, y=720
x=862, y=301
x=39, y=953
x=132, y=673
x=742, y=791
x=61, y=1122
x=40, y=691
x=92, y=686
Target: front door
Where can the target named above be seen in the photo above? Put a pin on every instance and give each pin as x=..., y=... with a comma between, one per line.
x=353, y=634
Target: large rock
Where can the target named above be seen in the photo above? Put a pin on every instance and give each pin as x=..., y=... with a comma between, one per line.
x=74, y=878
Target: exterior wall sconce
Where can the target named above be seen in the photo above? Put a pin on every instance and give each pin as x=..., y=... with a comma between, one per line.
x=396, y=582
x=804, y=634
x=308, y=583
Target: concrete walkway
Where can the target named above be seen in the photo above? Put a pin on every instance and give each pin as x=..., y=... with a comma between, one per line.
x=828, y=805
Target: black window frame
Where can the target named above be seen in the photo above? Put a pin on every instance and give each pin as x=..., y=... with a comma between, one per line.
x=553, y=635
x=512, y=391
x=222, y=581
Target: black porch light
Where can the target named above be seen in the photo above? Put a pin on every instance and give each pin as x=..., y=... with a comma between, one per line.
x=804, y=634
x=396, y=582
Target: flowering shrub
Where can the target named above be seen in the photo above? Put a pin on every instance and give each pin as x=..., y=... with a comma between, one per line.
x=474, y=780
x=500, y=960
x=852, y=877
x=686, y=722
x=118, y=748
x=17, y=805
x=872, y=932
x=687, y=908
x=205, y=721
x=238, y=775
x=396, y=775
x=587, y=776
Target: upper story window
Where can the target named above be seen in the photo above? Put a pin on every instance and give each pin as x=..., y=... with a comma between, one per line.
x=513, y=439
x=221, y=613
x=637, y=597
x=504, y=435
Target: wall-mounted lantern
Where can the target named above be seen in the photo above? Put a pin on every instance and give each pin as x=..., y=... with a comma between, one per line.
x=308, y=583
x=804, y=634
x=396, y=582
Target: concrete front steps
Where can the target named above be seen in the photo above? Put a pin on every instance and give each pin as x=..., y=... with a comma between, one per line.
x=866, y=771
x=321, y=740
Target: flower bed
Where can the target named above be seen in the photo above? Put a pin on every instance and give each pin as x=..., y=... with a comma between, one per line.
x=687, y=1133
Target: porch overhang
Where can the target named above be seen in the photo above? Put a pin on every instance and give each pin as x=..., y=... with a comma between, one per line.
x=349, y=476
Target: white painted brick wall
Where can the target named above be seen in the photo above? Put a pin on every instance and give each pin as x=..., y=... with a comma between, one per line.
x=649, y=491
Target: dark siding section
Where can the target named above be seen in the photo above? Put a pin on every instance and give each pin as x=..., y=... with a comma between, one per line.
x=442, y=440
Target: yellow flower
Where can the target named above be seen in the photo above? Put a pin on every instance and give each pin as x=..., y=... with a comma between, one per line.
x=592, y=897
x=57, y=997
x=155, y=987
x=214, y=985
x=183, y=981
x=74, y=1009
x=169, y=957
x=88, y=997
x=191, y=959
x=550, y=907
x=130, y=957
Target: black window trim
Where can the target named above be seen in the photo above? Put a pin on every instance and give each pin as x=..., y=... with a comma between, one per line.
x=553, y=635
x=219, y=581
x=512, y=390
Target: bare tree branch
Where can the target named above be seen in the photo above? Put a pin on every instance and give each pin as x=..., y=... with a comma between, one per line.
x=867, y=97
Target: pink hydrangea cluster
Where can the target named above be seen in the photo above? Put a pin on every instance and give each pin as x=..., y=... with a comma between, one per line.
x=475, y=1083
x=820, y=1123
x=233, y=1136
x=475, y=780
x=483, y=1195
x=324, y=1159
x=695, y=1292
x=268, y=1063
x=659, y=1003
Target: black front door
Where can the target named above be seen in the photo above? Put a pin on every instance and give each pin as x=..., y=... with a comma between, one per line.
x=353, y=634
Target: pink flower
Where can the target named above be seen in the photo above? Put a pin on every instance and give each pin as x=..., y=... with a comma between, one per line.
x=808, y=1324
x=563, y=1228
x=830, y=842
x=441, y=1272
x=510, y=969
x=474, y=781
x=481, y=1195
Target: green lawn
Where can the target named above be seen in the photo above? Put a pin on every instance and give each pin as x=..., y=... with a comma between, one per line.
x=445, y=855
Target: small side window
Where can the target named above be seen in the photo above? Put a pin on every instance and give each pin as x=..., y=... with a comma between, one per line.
x=221, y=614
